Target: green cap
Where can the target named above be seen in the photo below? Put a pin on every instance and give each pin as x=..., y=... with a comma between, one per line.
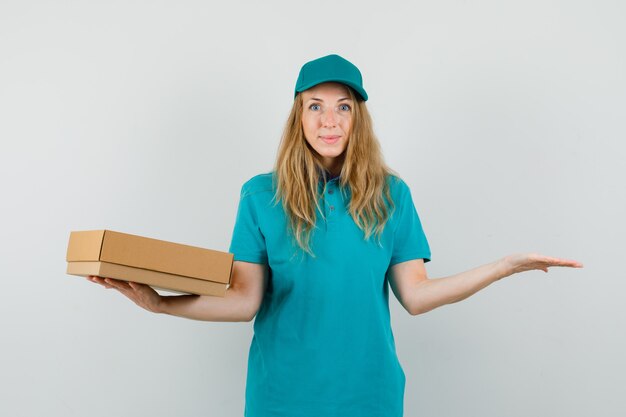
x=330, y=68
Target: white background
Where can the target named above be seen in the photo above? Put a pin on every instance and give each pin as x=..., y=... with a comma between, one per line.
x=505, y=118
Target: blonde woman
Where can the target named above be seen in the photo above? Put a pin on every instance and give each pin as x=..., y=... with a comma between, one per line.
x=318, y=242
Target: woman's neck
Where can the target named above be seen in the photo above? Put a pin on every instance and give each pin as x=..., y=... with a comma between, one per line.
x=334, y=165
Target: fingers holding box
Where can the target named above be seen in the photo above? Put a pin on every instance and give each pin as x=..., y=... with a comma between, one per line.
x=142, y=295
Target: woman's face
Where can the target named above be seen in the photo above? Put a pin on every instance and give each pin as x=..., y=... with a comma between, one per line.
x=326, y=121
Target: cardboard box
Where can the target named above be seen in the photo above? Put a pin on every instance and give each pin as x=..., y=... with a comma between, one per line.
x=160, y=264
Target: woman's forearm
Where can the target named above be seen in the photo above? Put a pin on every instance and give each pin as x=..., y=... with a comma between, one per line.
x=433, y=293
x=240, y=302
x=232, y=307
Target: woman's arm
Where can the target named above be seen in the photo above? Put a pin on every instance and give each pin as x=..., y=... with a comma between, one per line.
x=418, y=294
x=240, y=303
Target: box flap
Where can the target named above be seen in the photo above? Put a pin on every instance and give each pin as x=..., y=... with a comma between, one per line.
x=84, y=246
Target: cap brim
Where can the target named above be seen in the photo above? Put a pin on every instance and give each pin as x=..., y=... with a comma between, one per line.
x=357, y=89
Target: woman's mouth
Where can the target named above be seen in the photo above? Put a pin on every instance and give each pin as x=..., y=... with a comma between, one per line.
x=330, y=139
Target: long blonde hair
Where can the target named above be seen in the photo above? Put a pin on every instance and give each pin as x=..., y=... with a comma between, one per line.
x=298, y=171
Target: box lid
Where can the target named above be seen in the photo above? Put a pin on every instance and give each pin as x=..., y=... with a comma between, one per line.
x=148, y=253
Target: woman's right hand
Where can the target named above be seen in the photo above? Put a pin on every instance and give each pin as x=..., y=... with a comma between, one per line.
x=142, y=295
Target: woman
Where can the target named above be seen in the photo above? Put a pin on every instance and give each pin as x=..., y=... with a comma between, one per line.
x=317, y=244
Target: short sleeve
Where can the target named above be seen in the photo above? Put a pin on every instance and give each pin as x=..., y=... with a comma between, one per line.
x=248, y=243
x=409, y=240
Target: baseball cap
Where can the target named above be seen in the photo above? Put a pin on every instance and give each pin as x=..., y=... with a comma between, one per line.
x=330, y=68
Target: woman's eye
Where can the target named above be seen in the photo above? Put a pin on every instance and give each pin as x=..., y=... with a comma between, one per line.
x=314, y=107
x=344, y=107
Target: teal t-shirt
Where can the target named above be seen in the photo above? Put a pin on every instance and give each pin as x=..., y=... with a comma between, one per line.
x=323, y=344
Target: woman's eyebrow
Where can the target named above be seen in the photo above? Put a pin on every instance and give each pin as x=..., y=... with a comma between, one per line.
x=319, y=99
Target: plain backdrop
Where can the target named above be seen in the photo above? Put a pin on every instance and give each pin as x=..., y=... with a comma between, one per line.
x=506, y=119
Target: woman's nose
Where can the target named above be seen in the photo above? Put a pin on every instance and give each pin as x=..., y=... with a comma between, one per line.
x=329, y=118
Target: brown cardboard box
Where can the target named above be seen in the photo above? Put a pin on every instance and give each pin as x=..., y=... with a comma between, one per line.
x=160, y=264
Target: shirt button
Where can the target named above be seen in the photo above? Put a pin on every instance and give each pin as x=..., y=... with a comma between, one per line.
x=330, y=191
x=332, y=208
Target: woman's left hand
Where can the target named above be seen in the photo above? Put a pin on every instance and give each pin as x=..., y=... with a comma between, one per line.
x=521, y=262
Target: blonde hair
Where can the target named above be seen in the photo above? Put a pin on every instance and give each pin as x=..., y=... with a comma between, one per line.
x=364, y=174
